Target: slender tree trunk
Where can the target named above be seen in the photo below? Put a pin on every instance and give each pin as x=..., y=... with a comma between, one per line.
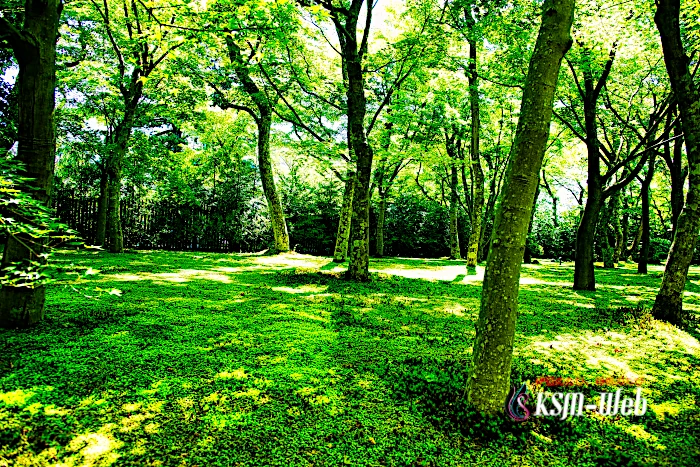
x=274, y=205
x=607, y=248
x=102, y=204
x=555, y=200
x=115, y=166
x=341, y=239
x=454, y=200
x=489, y=380
x=625, y=229
x=380, y=225
x=617, y=230
x=646, y=228
x=604, y=236
x=527, y=257
x=35, y=51
x=584, y=275
x=669, y=302
x=637, y=240
x=114, y=221
x=475, y=157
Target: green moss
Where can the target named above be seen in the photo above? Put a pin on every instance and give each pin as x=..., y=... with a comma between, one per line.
x=211, y=359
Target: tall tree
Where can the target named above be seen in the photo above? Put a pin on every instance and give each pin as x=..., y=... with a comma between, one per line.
x=495, y=330
x=612, y=150
x=668, y=305
x=34, y=49
x=263, y=119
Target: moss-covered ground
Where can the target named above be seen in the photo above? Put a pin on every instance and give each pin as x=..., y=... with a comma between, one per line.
x=227, y=360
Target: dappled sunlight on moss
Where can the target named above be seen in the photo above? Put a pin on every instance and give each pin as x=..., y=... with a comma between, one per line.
x=93, y=450
x=214, y=355
x=305, y=289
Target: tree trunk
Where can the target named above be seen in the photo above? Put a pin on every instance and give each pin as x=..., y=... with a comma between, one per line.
x=607, y=249
x=555, y=200
x=646, y=229
x=617, y=230
x=454, y=234
x=527, y=257
x=274, y=205
x=341, y=239
x=584, y=275
x=604, y=236
x=669, y=302
x=477, y=213
x=35, y=51
x=636, y=241
x=489, y=380
x=114, y=220
x=358, y=269
x=115, y=164
x=625, y=229
x=380, y=226
x=102, y=204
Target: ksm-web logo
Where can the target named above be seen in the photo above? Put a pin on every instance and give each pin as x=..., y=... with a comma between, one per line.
x=519, y=404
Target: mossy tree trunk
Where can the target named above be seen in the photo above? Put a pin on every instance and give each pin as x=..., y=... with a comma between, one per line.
x=352, y=54
x=669, y=301
x=489, y=379
x=34, y=48
x=341, y=240
x=274, y=205
x=118, y=147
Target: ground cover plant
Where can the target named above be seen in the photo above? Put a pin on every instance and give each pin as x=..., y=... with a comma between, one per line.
x=200, y=359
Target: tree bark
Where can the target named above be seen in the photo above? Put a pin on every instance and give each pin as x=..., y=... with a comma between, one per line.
x=669, y=301
x=341, y=239
x=454, y=200
x=119, y=145
x=617, y=229
x=646, y=229
x=584, y=275
x=381, y=215
x=358, y=269
x=604, y=235
x=34, y=48
x=477, y=214
x=102, y=203
x=489, y=379
x=274, y=205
